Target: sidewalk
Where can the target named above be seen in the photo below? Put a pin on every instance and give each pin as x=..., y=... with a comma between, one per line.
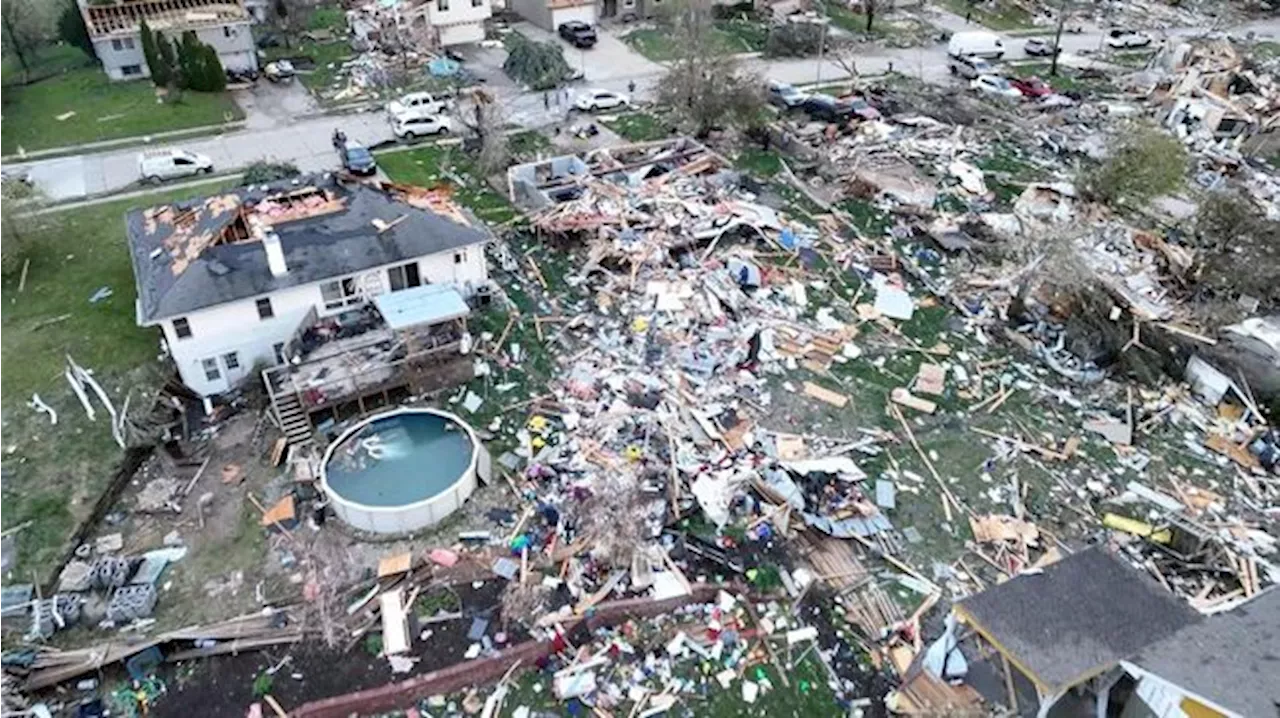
x=121, y=142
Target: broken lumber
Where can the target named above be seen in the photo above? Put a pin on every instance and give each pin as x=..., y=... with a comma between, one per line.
x=833, y=398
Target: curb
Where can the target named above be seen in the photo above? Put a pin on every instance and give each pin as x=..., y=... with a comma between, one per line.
x=124, y=142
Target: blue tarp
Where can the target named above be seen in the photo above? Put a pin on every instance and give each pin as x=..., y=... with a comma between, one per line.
x=443, y=67
x=428, y=304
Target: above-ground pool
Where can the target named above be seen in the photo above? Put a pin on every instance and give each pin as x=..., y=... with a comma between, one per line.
x=401, y=470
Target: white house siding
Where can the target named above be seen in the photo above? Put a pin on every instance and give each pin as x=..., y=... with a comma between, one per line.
x=582, y=13
x=462, y=23
x=234, y=43
x=235, y=327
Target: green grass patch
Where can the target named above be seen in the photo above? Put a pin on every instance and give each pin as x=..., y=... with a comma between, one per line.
x=1135, y=60
x=47, y=61
x=638, y=127
x=328, y=17
x=328, y=58
x=432, y=165
x=525, y=146
x=55, y=473
x=868, y=218
x=104, y=110
x=727, y=36
x=761, y=163
x=1265, y=50
x=995, y=14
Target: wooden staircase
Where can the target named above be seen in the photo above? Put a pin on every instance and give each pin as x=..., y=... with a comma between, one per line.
x=297, y=427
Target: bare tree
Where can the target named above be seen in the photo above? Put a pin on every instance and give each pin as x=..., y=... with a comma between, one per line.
x=27, y=24
x=705, y=86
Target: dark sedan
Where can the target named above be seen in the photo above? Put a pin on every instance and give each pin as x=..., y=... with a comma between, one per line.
x=579, y=34
x=358, y=160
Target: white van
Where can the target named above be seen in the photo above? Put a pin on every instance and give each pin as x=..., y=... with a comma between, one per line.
x=976, y=44
x=157, y=165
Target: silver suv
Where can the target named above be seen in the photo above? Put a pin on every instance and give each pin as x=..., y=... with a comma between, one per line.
x=970, y=67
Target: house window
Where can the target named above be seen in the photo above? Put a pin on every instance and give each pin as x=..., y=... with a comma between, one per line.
x=182, y=328
x=231, y=360
x=117, y=44
x=211, y=372
x=477, y=3
x=131, y=70
x=278, y=348
x=264, y=308
x=226, y=31
x=459, y=257
x=340, y=293
x=442, y=5
x=404, y=276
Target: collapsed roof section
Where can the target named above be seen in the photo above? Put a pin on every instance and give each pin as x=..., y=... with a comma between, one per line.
x=252, y=241
x=106, y=19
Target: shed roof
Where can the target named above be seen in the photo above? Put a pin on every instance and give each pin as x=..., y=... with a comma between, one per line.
x=1232, y=659
x=1076, y=617
x=428, y=304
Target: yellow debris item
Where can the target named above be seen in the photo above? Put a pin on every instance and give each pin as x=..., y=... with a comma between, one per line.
x=640, y=325
x=634, y=452
x=538, y=442
x=1137, y=528
x=538, y=423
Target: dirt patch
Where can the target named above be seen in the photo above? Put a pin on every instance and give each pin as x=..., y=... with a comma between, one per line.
x=224, y=685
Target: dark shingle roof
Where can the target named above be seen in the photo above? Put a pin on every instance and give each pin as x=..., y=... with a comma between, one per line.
x=1232, y=659
x=1077, y=617
x=316, y=248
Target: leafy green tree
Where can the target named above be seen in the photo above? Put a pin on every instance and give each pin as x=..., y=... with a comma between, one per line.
x=149, y=52
x=215, y=77
x=190, y=60
x=167, y=61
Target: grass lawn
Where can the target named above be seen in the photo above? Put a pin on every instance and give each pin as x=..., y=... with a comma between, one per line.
x=53, y=474
x=995, y=14
x=1266, y=50
x=761, y=163
x=638, y=127
x=104, y=110
x=327, y=56
x=1135, y=59
x=728, y=36
x=433, y=165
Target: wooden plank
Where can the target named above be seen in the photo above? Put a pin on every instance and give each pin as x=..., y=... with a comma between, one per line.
x=395, y=565
x=395, y=623
x=823, y=394
x=901, y=396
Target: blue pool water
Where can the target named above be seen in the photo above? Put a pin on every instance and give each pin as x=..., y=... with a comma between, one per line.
x=399, y=459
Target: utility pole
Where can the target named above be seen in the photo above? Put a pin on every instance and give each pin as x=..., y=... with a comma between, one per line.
x=1057, y=38
x=822, y=47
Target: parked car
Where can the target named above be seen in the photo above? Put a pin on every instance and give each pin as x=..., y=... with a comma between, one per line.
x=589, y=100
x=579, y=34
x=411, y=125
x=785, y=96
x=280, y=71
x=826, y=108
x=357, y=159
x=1121, y=39
x=969, y=67
x=980, y=44
x=1031, y=87
x=1037, y=47
x=419, y=102
x=158, y=165
x=994, y=85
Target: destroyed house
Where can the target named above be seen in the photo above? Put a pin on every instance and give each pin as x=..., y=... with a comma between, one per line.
x=338, y=287
x=114, y=30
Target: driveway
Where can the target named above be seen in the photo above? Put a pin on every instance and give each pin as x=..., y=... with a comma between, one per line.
x=268, y=105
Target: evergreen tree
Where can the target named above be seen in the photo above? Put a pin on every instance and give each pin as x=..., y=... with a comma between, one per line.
x=165, y=54
x=189, y=61
x=149, y=51
x=215, y=75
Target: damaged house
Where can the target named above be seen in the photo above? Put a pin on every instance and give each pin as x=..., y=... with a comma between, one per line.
x=114, y=29
x=339, y=286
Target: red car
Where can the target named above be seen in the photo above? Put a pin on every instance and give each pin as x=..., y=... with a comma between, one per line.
x=1032, y=87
